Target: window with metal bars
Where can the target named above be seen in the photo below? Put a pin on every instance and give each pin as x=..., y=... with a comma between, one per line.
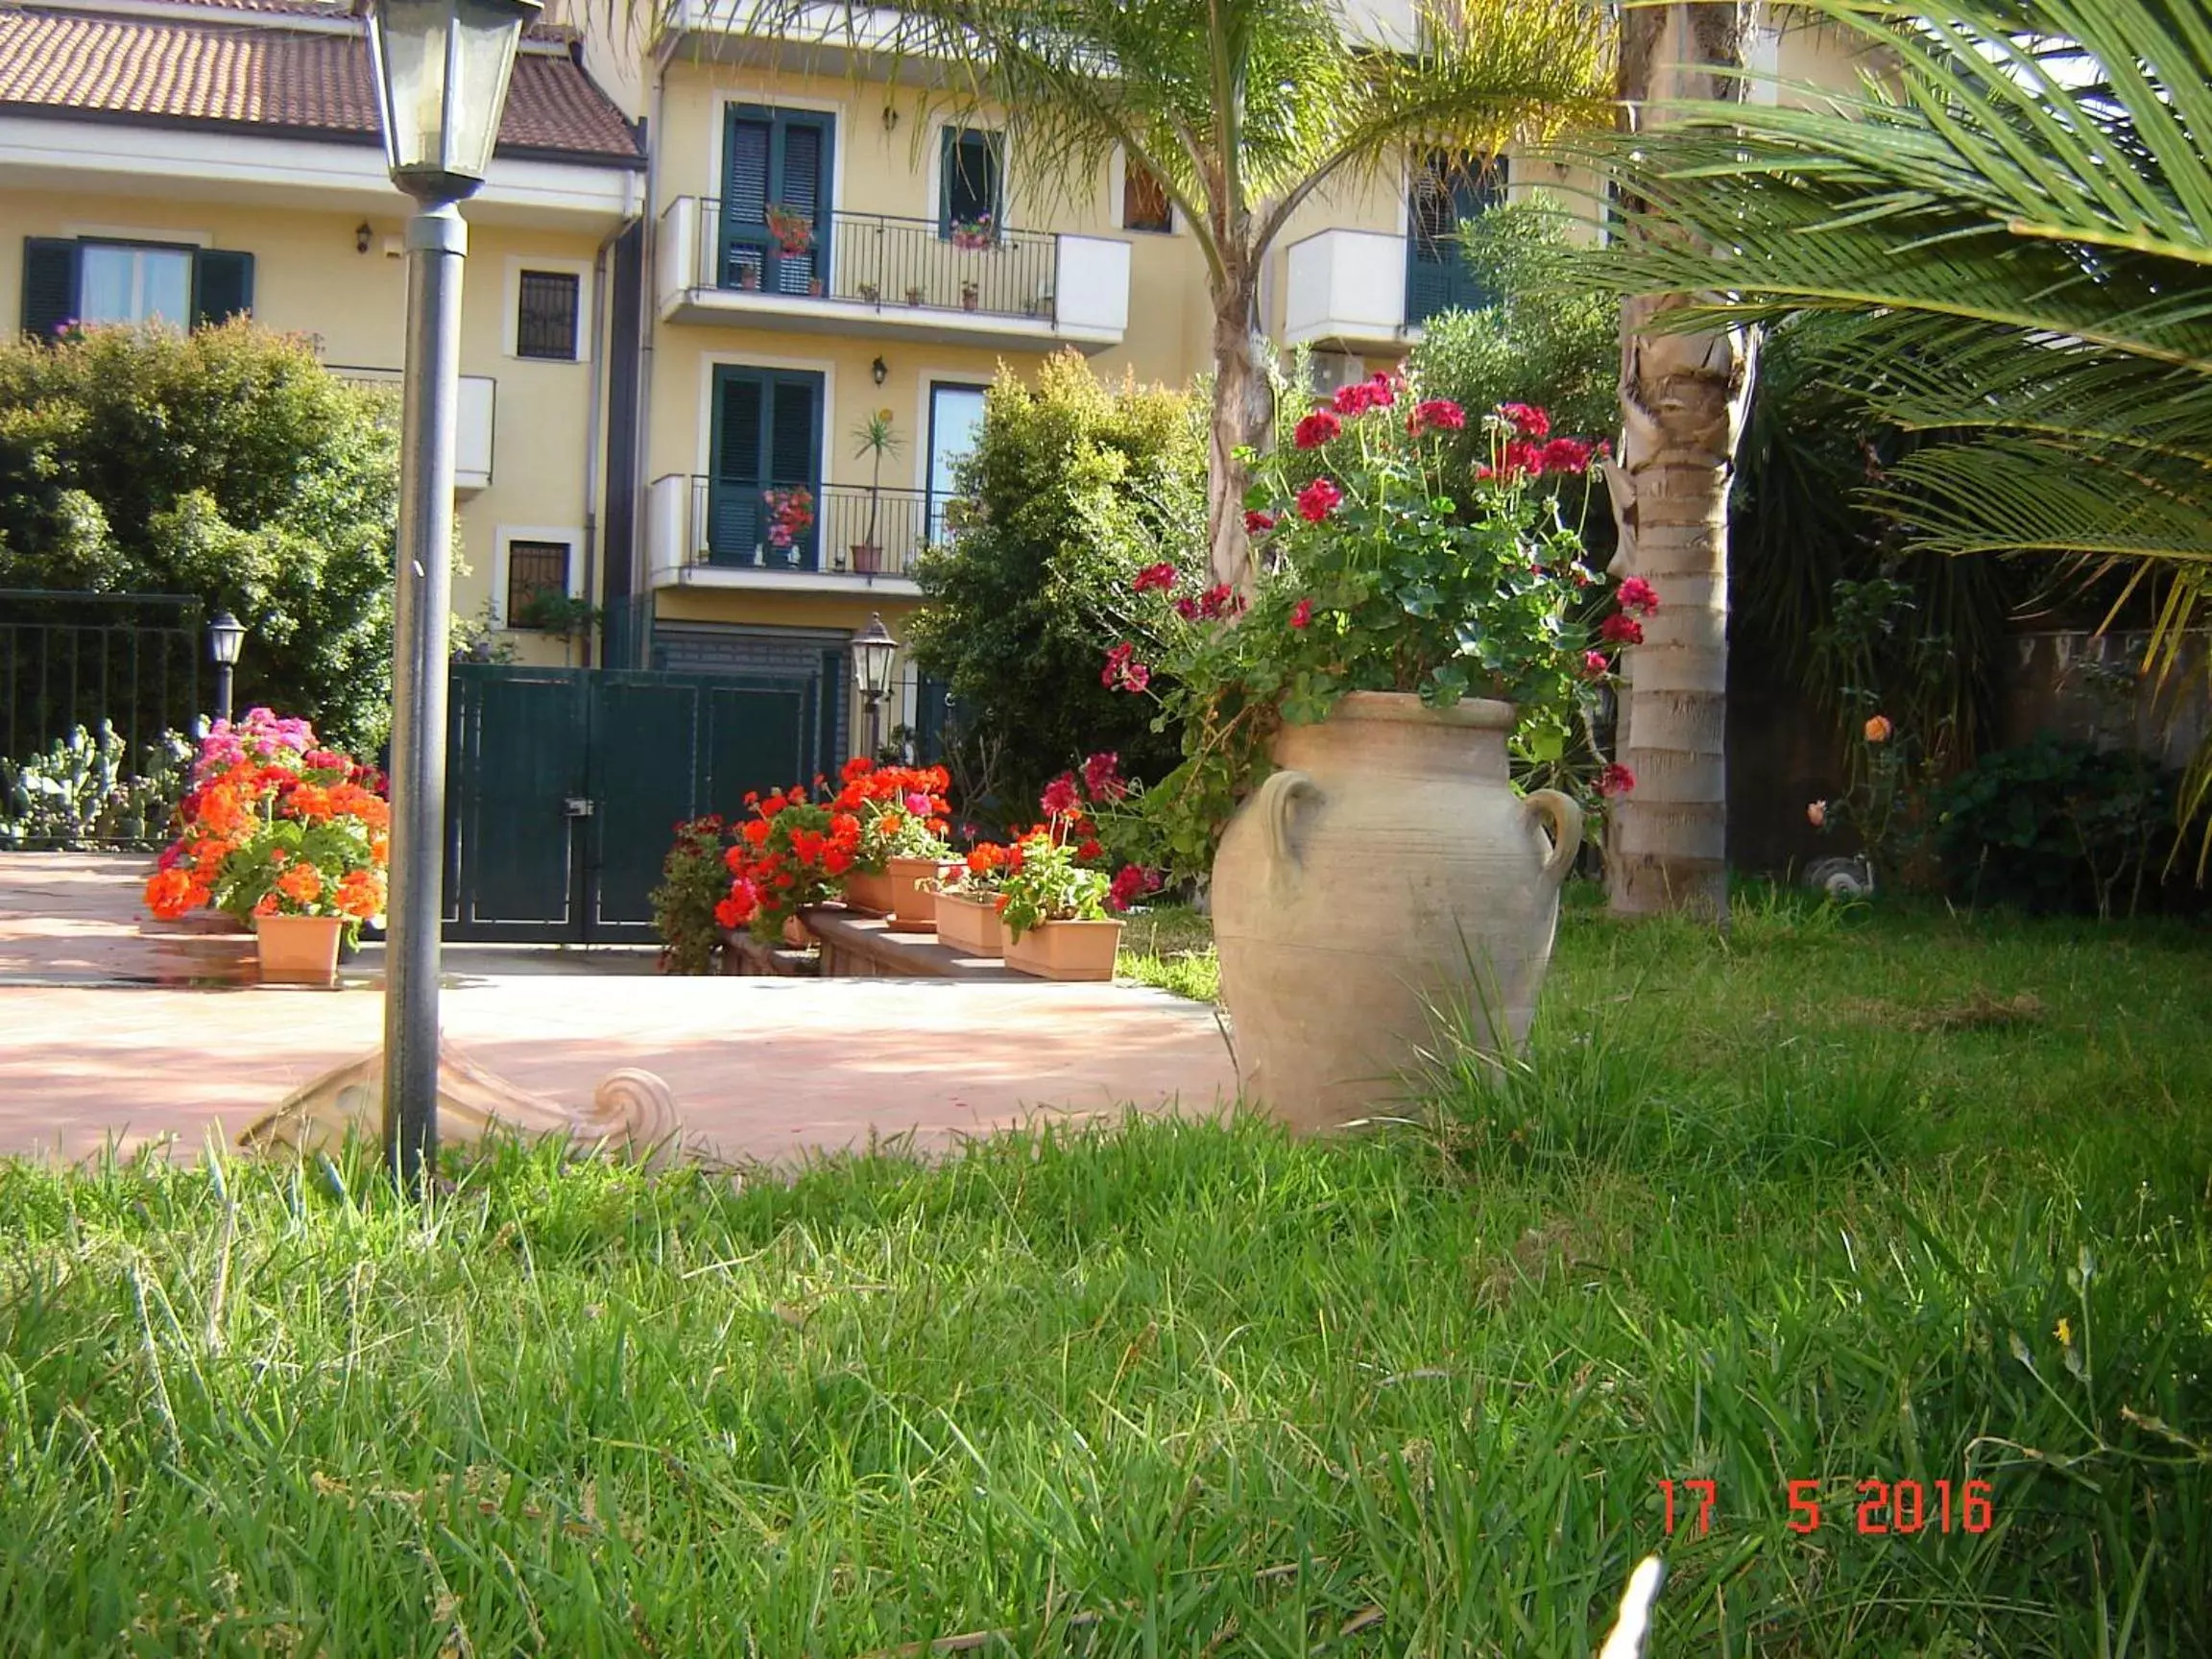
x=537, y=574
x=545, y=321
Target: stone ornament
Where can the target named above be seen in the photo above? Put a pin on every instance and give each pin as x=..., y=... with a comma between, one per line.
x=632, y=1113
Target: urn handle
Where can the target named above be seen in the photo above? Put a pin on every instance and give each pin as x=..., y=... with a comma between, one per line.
x=1273, y=805
x=1564, y=819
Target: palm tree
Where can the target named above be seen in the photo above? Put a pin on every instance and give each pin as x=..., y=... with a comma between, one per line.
x=2011, y=221
x=1241, y=110
x=1684, y=395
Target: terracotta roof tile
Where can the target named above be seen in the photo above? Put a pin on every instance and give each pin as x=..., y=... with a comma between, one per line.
x=198, y=70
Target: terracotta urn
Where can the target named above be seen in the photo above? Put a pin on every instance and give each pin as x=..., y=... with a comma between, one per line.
x=1081, y=951
x=914, y=894
x=298, y=950
x=869, y=892
x=968, y=922
x=1386, y=876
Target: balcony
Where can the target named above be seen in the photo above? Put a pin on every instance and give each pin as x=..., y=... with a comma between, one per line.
x=479, y=394
x=1348, y=290
x=700, y=532
x=900, y=278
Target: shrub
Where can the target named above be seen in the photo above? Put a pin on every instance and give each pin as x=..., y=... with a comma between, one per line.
x=1545, y=341
x=227, y=464
x=83, y=790
x=2058, y=825
x=694, y=881
x=1072, y=488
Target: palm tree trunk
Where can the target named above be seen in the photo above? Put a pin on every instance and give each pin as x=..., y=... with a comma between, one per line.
x=1242, y=406
x=1683, y=399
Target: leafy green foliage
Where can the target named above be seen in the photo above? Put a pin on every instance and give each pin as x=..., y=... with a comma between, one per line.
x=1072, y=488
x=2055, y=825
x=694, y=878
x=1549, y=340
x=83, y=789
x=227, y=464
x=1770, y=1206
x=1051, y=885
x=2008, y=230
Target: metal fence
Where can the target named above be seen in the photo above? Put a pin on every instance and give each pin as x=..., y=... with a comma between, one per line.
x=70, y=659
x=856, y=531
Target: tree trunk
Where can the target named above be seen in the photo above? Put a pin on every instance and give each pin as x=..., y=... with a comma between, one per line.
x=1683, y=400
x=1242, y=406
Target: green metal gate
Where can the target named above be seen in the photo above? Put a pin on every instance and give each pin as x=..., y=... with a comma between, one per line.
x=563, y=785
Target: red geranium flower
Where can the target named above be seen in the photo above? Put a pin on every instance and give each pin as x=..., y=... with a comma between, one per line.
x=1528, y=419
x=1318, y=500
x=1302, y=613
x=1594, y=664
x=1436, y=413
x=1637, y=595
x=1316, y=430
x=1257, y=522
x=1059, y=797
x=1616, y=780
x=1567, y=455
x=1161, y=576
x=1622, y=629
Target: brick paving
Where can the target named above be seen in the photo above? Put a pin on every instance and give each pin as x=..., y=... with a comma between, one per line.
x=116, y=1031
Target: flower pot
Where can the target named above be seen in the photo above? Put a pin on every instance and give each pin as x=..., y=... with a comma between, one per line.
x=913, y=296
x=872, y=893
x=814, y=288
x=970, y=923
x=795, y=933
x=971, y=297
x=1406, y=810
x=867, y=560
x=1066, y=950
x=298, y=950
x=913, y=903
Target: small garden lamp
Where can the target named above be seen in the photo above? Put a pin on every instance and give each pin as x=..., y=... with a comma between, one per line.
x=226, y=638
x=874, y=652
x=442, y=68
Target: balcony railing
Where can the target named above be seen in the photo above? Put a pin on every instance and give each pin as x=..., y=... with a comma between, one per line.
x=880, y=261
x=704, y=523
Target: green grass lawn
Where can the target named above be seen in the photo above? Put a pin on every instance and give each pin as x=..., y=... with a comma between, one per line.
x=1895, y=1198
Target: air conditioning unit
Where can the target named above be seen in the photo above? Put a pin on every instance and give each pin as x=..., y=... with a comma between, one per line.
x=1334, y=371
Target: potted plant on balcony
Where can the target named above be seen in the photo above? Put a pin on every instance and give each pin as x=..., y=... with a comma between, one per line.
x=870, y=293
x=874, y=439
x=790, y=515
x=792, y=228
x=970, y=294
x=914, y=296
x=977, y=235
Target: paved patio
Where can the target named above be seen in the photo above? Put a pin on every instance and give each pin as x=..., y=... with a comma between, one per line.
x=118, y=1030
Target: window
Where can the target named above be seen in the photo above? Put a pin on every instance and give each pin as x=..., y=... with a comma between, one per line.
x=763, y=494
x=545, y=315
x=1144, y=203
x=1448, y=191
x=777, y=162
x=971, y=180
x=955, y=418
x=78, y=281
x=536, y=570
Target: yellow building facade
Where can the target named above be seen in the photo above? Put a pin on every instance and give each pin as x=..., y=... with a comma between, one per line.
x=731, y=303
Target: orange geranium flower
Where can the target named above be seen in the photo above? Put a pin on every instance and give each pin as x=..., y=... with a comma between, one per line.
x=301, y=883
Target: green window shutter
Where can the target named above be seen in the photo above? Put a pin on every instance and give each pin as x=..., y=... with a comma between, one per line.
x=1448, y=191
x=745, y=171
x=49, y=285
x=794, y=433
x=222, y=285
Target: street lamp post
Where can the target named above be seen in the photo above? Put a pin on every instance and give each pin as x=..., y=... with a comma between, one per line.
x=442, y=68
x=226, y=638
x=874, y=652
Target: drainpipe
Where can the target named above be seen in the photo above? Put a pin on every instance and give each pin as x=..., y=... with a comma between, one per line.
x=592, y=416
x=648, y=286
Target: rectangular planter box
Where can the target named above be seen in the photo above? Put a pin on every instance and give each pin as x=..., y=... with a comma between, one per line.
x=1066, y=950
x=913, y=902
x=970, y=925
x=298, y=950
x=870, y=893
